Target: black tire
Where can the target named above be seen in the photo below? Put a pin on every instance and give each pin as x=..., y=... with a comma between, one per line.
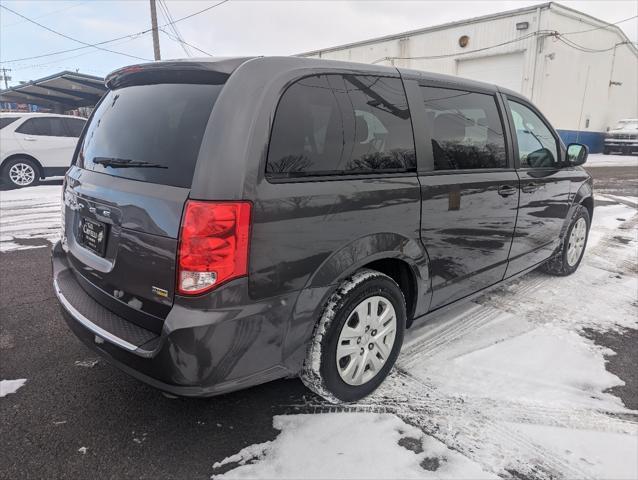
x=320, y=372
x=18, y=161
x=559, y=265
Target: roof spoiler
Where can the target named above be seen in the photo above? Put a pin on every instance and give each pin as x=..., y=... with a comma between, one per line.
x=207, y=71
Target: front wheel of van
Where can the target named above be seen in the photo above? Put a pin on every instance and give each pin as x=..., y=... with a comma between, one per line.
x=357, y=339
x=568, y=258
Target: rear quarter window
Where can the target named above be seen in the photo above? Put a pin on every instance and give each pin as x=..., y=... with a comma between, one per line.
x=341, y=124
x=150, y=133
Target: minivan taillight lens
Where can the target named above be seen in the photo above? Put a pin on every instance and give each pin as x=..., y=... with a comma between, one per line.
x=213, y=245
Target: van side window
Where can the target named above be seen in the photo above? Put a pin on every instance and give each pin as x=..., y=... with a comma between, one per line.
x=383, y=137
x=537, y=147
x=341, y=124
x=465, y=129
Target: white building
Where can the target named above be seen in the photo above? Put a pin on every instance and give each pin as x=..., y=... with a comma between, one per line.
x=580, y=71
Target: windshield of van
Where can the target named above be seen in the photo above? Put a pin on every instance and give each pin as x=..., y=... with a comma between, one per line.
x=150, y=133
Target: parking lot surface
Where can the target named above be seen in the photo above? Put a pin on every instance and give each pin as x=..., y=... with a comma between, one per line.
x=77, y=417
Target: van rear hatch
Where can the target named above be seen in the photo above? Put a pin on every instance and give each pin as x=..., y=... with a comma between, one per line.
x=125, y=194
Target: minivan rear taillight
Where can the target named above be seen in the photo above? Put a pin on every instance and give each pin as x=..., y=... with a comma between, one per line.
x=213, y=245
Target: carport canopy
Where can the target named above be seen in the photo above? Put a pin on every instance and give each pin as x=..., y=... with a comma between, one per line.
x=60, y=92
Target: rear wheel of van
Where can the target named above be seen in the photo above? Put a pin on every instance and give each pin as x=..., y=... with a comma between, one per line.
x=20, y=172
x=571, y=252
x=357, y=339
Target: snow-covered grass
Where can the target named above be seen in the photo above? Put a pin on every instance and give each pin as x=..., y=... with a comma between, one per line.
x=11, y=386
x=600, y=160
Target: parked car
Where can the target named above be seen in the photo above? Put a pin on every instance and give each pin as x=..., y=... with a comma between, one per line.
x=230, y=222
x=34, y=146
x=623, y=138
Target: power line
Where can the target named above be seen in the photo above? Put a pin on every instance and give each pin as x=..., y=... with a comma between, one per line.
x=601, y=28
x=67, y=36
x=132, y=35
x=584, y=49
x=447, y=55
x=169, y=18
x=77, y=4
x=549, y=33
x=182, y=41
x=19, y=66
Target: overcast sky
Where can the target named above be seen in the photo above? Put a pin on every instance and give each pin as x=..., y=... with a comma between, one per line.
x=238, y=27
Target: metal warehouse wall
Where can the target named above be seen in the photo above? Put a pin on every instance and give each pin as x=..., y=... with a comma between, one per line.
x=571, y=87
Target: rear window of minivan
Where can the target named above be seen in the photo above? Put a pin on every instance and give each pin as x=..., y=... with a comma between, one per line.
x=151, y=133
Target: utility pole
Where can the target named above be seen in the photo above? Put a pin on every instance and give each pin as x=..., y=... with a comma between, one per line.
x=156, y=46
x=6, y=77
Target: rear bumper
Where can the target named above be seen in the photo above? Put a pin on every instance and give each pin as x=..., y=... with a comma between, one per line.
x=200, y=352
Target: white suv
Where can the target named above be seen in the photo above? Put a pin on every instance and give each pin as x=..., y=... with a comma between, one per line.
x=36, y=145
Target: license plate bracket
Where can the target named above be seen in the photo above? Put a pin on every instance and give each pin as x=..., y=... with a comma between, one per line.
x=93, y=235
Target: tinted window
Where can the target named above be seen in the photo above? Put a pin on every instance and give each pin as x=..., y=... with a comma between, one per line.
x=308, y=132
x=150, y=133
x=4, y=121
x=43, y=126
x=330, y=124
x=74, y=126
x=465, y=129
x=537, y=146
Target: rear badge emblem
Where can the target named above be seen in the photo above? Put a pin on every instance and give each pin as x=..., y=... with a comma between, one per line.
x=159, y=291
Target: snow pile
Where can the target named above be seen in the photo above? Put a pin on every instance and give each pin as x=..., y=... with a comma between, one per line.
x=349, y=445
x=600, y=160
x=11, y=386
x=29, y=217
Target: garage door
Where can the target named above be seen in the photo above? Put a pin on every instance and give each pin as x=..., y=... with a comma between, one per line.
x=503, y=70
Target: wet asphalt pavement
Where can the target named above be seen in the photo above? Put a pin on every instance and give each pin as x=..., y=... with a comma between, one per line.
x=130, y=430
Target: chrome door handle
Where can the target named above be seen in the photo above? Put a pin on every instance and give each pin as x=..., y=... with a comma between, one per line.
x=506, y=190
x=29, y=139
x=530, y=187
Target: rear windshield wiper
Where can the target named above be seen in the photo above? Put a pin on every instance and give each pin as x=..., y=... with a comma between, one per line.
x=125, y=163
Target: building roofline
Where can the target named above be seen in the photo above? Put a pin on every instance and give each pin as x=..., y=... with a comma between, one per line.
x=433, y=28
x=443, y=26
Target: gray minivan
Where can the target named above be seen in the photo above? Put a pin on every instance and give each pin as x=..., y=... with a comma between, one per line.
x=227, y=222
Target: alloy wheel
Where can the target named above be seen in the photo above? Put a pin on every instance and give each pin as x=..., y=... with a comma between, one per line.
x=22, y=174
x=366, y=340
x=576, y=241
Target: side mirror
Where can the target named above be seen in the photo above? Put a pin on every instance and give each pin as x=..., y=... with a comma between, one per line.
x=577, y=154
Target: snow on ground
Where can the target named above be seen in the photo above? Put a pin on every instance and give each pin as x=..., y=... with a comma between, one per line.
x=509, y=381
x=348, y=445
x=505, y=385
x=11, y=386
x=29, y=217
x=600, y=160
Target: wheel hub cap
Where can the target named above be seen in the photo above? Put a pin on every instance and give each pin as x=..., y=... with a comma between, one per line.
x=366, y=340
x=22, y=174
x=576, y=243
